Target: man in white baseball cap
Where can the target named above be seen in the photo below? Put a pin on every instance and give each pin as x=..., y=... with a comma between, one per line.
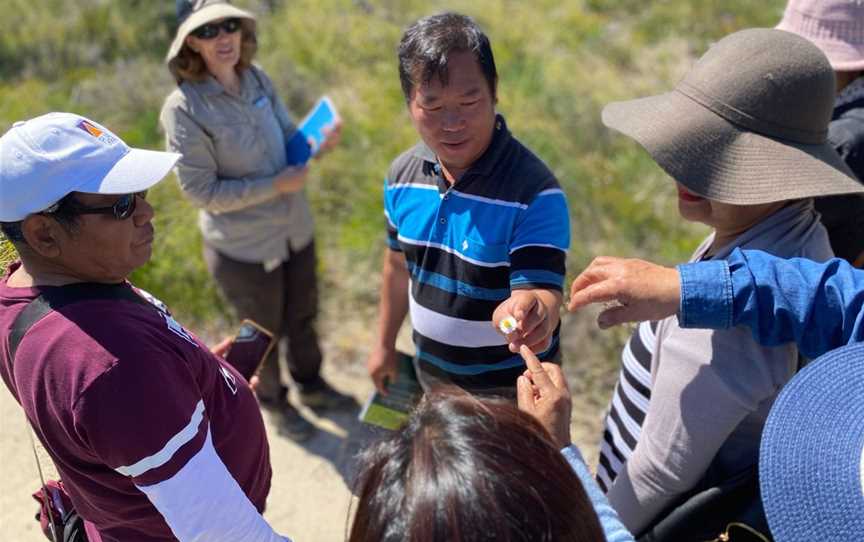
x=154, y=436
x=46, y=158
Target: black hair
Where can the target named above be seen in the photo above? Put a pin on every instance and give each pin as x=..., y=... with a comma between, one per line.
x=12, y=232
x=466, y=469
x=427, y=44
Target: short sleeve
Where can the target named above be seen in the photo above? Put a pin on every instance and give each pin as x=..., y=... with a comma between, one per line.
x=389, y=214
x=538, y=250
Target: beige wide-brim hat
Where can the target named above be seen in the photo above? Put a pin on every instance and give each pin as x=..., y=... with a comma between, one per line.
x=747, y=125
x=205, y=12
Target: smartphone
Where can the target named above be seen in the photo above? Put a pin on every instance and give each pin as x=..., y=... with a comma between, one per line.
x=249, y=348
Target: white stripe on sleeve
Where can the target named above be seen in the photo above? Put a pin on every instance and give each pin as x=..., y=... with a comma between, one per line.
x=203, y=502
x=167, y=452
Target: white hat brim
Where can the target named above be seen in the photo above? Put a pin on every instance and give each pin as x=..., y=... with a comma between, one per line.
x=201, y=17
x=137, y=171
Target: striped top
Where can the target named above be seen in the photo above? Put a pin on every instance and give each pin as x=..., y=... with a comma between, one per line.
x=690, y=404
x=503, y=226
x=629, y=404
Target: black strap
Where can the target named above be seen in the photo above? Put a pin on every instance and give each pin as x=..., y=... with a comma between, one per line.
x=54, y=299
x=706, y=512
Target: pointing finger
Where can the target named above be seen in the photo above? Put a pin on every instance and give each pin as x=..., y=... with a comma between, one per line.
x=538, y=374
x=524, y=394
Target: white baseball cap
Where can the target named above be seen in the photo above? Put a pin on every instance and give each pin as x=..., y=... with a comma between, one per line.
x=45, y=158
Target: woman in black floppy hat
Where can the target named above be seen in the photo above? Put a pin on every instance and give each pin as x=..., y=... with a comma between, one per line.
x=744, y=137
x=232, y=129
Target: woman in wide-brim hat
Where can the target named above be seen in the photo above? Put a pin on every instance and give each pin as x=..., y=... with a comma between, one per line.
x=837, y=28
x=744, y=137
x=232, y=129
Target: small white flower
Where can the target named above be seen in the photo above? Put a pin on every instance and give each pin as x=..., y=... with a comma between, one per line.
x=508, y=325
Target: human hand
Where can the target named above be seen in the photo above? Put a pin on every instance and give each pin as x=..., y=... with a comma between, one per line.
x=534, y=324
x=291, y=179
x=641, y=290
x=221, y=348
x=381, y=365
x=332, y=136
x=543, y=393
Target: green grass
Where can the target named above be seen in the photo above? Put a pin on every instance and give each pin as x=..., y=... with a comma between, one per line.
x=559, y=63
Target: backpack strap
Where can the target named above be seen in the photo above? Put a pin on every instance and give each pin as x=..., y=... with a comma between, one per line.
x=54, y=299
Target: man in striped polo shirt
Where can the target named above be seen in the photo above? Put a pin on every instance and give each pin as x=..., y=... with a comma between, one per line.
x=478, y=226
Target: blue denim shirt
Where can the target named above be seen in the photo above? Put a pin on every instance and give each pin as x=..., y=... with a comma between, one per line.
x=819, y=306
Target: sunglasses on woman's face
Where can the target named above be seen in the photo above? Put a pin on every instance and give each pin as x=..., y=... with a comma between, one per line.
x=211, y=30
x=122, y=208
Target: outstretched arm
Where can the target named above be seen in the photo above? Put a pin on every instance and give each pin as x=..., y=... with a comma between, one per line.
x=634, y=290
x=819, y=306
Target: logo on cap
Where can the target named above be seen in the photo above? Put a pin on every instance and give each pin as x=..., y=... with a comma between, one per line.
x=89, y=128
x=97, y=133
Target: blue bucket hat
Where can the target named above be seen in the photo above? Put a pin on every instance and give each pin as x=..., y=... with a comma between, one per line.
x=811, y=465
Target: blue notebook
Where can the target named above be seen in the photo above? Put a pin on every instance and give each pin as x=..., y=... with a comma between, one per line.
x=310, y=133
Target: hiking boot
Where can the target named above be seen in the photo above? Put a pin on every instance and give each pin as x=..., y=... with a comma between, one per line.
x=289, y=422
x=323, y=398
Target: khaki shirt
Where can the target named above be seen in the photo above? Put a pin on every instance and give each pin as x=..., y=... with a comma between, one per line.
x=232, y=148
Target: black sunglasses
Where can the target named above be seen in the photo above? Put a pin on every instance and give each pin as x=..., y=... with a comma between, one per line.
x=122, y=208
x=211, y=30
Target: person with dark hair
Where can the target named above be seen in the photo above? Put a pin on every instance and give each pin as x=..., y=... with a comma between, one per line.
x=231, y=127
x=837, y=28
x=477, y=225
x=156, y=438
x=479, y=469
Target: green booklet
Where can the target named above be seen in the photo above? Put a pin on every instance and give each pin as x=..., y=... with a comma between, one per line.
x=391, y=411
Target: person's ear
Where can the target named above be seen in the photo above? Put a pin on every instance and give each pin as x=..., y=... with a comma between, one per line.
x=43, y=234
x=190, y=43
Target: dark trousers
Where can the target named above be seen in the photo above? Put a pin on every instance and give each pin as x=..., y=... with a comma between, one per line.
x=285, y=301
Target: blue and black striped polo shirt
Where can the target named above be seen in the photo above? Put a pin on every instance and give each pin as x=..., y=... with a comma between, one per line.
x=503, y=226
